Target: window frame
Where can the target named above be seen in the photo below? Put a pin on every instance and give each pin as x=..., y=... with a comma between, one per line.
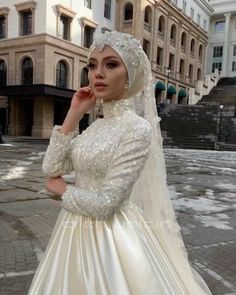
x=27, y=73
x=107, y=9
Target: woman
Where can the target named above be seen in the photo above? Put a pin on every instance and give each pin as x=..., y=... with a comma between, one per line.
x=117, y=232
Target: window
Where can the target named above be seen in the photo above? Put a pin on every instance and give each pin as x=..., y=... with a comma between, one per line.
x=84, y=77
x=218, y=51
x=147, y=15
x=200, y=52
x=159, y=56
x=61, y=74
x=3, y=73
x=219, y=26
x=64, y=27
x=26, y=12
x=171, y=62
x=64, y=19
x=183, y=39
x=199, y=18
x=107, y=9
x=190, y=73
x=2, y=27
x=184, y=6
x=26, y=23
x=192, y=46
x=181, y=67
x=234, y=66
x=173, y=33
x=199, y=75
x=234, y=50
x=161, y=25
x=27, y=72
x=204, y=24
x=216, y=65
x=128, y=12
x=88, y=3
x=146, y=47
x=192, y=13
x=88, y=36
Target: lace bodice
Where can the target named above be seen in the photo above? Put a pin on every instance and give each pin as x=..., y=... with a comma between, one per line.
x=107, y=158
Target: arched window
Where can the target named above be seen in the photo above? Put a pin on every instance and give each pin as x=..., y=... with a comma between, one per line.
x=192, y=46
x=84, y=77
x=161, y=25
x=27, y=72
x=173, y=33
x=128, y=11
x=183, y=40
x=200, y=52
x=61, y=76
x=148, y=15
x=3, y=73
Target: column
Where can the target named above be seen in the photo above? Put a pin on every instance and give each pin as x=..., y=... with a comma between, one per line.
x=226, y=44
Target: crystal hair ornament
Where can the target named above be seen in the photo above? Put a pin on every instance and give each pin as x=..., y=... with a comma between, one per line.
x=150, y=192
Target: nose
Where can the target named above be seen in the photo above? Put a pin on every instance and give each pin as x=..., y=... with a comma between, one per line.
x=99, y=73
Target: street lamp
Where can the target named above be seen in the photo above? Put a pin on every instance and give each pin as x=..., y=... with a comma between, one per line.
x=219, y=132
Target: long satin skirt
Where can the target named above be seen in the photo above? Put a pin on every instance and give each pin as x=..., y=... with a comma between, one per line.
x=120, y=256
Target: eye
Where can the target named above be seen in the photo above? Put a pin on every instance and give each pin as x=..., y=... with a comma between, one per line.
x=111, y=64
x=91, y=66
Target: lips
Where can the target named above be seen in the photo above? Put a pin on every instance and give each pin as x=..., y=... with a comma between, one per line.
x=100, y=84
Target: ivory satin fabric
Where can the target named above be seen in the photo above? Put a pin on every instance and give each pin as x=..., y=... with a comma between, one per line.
x=101, y=244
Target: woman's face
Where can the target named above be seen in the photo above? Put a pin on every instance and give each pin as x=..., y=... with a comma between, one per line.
x=107, y=74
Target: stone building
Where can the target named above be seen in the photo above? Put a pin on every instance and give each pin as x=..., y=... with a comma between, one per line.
x=43, y=49
x=44, y=44
x=174, y=40
x=222, y=38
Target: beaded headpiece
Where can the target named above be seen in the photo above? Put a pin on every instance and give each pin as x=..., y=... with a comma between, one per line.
x=130, y=51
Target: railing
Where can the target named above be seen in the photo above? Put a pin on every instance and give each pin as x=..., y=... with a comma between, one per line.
x=128, y=23
x=147, y=27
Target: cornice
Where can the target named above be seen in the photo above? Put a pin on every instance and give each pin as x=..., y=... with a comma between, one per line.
x=205, y=6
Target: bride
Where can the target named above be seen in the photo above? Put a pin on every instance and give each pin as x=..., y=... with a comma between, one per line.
x=116, y=233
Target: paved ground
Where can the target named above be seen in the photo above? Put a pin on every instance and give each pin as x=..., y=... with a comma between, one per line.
x=203, y=189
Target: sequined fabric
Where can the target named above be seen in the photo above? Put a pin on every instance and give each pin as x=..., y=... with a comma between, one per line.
x=107, y=158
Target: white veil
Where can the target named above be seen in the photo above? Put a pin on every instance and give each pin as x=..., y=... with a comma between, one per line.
x=150, y=193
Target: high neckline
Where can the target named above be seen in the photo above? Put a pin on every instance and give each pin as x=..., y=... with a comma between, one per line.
x=116, y=108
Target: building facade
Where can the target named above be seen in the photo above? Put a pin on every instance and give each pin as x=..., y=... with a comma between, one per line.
x=222, y=38
x=44, y=46
x=174, y=42
x=43, y=50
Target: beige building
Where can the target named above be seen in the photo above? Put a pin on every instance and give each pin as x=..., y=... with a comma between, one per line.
x=44, y=44
x=175, y=44
x=43, y=56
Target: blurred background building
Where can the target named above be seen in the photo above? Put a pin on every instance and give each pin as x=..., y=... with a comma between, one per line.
x=44, y=44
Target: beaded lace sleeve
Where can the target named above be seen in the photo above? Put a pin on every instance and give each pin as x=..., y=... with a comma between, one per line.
x=57, y=160
x=124, y=169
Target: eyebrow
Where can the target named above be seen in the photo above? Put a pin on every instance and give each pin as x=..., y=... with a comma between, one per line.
x=108, y=57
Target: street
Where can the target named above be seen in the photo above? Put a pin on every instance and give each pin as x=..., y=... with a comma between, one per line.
x=202, y=186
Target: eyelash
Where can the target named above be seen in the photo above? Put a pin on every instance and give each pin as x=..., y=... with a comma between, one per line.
x=110, y=65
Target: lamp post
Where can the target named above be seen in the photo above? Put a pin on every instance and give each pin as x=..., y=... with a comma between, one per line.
x=219, y=132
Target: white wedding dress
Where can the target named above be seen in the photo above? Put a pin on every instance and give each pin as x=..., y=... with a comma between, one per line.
x=101, y=244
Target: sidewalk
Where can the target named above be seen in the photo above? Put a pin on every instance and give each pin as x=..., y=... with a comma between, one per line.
x=204, y=195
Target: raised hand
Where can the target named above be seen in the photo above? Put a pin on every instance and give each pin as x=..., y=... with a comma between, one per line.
x=83, y=99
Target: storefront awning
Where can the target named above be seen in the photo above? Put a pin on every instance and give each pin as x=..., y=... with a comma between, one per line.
x=171, y=90
x=182, y=93
x=160, y=86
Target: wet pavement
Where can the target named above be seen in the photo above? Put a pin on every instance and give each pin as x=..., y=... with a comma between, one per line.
x=202, y=186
